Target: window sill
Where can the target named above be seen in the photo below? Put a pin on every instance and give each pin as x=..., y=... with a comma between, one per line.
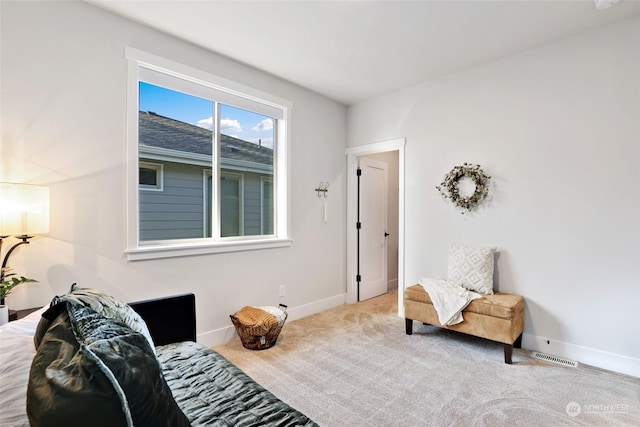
x=190, y=249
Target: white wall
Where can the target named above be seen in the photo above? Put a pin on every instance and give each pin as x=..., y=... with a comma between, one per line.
x=63, y=125
x=558, y=129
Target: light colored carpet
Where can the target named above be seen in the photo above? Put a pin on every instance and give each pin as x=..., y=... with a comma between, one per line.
x=354, y=366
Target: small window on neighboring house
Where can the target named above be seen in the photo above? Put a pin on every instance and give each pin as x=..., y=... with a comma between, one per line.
x=216, y=158
x=150, y=176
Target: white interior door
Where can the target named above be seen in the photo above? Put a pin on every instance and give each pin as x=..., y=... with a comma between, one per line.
x=373, y=228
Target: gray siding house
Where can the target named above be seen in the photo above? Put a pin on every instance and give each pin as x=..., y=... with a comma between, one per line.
x=176, y=188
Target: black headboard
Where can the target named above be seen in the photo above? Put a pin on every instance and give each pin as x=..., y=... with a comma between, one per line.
x=170, y=319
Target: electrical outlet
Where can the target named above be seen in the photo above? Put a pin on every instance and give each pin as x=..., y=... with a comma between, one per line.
x=282, y=291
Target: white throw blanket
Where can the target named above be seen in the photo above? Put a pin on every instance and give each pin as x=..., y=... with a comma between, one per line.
x=448, y=299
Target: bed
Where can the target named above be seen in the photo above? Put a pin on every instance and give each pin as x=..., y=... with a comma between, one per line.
x=206, y=388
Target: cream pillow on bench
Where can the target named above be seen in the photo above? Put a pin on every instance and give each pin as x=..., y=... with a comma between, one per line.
x=471, y=267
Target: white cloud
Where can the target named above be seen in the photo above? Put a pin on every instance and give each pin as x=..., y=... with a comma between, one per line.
x=206, y=123
x=265, y=125
x=229, y=125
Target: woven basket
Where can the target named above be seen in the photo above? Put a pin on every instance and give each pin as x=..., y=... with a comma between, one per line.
x=258, y=335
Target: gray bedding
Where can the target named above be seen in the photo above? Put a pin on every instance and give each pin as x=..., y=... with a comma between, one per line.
x=211, y=391
x=95, y=364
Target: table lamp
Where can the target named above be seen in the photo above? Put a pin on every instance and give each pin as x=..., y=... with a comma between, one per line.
x=24, y=212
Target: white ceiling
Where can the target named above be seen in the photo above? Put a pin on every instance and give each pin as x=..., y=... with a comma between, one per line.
x=354, y=50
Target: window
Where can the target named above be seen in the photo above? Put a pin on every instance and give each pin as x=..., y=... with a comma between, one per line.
x=150, y=176
x=231, y=213
x=267, y=205
x=211, y=163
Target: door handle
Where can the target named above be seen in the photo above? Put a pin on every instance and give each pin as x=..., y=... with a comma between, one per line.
x=386, y=234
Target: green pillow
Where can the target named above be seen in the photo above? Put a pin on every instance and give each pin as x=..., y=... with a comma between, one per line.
x=93, y=370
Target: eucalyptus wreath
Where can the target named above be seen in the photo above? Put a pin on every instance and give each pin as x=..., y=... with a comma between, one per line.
x=449, y=186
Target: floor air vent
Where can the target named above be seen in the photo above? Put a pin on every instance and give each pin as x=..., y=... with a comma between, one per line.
x=554, y=359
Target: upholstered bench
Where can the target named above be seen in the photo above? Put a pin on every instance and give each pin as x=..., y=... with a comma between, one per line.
x=498, y=317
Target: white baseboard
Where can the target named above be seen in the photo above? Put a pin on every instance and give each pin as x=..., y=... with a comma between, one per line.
x=217, y=336
x=392, y=285
x=588, y=356
x=227, y=333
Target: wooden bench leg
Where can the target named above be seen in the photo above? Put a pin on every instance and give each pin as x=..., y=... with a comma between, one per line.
x=518, y=342
x=408, y=325
x=508, y=351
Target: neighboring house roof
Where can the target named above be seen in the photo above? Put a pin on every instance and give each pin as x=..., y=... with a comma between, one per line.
x=162, y=132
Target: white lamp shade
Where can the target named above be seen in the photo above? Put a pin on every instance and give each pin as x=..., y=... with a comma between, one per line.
x=24, y=209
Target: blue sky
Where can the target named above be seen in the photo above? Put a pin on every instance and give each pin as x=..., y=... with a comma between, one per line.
x=198, y=111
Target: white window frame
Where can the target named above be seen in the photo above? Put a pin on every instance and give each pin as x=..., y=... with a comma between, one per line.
x=140, y=62
x=159, y=168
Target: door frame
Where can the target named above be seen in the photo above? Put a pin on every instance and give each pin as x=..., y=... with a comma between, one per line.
x=353, y=153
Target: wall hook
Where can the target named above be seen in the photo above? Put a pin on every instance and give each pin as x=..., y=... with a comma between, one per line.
x=323, y=187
